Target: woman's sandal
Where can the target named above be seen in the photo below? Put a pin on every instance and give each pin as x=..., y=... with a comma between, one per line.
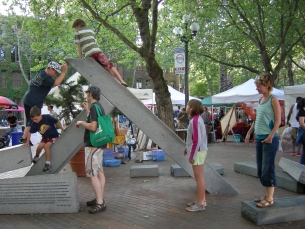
x=194, y=202
x=195, y=208
x=97, y=208
x=265, y=203
x=259, y=199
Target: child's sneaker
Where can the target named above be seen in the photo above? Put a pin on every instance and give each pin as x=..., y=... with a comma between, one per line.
x=23, y=140
x=35, y=159
x=47, y=168
x=299, y=154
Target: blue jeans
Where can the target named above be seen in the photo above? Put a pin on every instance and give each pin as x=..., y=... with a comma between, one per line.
x=302, y=159
x=265, y=155
x=12, y=130
x=134, y=146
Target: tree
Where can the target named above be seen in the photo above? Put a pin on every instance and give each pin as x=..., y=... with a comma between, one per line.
x=135, y=23
x=255, y=35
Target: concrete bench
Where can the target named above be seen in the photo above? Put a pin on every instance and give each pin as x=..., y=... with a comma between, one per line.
x=294, y=169
x=247, y=167
x=177, y=171
x=144, y=171
x=287, y=182
x=284, y=210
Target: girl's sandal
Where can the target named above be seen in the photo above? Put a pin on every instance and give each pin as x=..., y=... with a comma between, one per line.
x=195, y=208
x=194, y=202
x=265, y=203
x=259, y=199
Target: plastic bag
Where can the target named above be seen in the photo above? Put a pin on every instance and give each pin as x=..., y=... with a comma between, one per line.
x=286, y=141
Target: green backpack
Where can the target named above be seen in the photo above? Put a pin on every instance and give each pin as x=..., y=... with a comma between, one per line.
x=104, y=132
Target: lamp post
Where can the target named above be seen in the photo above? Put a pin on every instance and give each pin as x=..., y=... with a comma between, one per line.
x=185, y=38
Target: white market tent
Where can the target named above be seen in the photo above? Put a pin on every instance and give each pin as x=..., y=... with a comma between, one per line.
x=291, y=93
x=176, y=97
x=245, y=92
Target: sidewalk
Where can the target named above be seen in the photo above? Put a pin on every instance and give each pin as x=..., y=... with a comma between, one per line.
x=160, y=202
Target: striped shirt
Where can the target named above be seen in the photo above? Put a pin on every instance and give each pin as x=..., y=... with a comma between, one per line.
x=264, y=121
x=87, y=40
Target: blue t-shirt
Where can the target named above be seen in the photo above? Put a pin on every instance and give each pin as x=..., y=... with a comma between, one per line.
x=38, y=90
x=46, y=127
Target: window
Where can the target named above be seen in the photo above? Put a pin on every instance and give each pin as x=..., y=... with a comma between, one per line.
x=2, y=54
x=16, y=79
x=148, y=84
x=3, y=79
x=139, y=84
x=139, y=66
x=14, y=54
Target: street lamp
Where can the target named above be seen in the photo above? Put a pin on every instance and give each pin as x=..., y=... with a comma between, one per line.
x=186, y=37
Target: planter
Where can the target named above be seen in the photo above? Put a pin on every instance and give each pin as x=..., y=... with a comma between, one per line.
x=77, y=163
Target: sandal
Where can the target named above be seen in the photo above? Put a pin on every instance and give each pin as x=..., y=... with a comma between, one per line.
x=124, y=84
x=93, y=202
x=194, y=202
x=195, y=208
x=259, y=199
x=265, y=203
x=97, y=208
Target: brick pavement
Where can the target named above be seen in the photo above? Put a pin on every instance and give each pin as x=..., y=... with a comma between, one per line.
x=161, y=202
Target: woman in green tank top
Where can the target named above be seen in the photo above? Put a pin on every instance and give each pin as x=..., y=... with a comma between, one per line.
x=266, y=124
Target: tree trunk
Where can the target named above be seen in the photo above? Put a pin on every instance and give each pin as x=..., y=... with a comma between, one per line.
x=163, y=100
x=289, y=72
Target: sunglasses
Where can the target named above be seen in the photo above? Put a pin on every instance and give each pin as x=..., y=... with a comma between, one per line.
x=262, y=78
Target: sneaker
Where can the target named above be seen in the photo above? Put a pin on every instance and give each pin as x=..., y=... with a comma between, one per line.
x=35, y=159
x=47, y=168
x=292, y=153
x=299, y=154
x=23, y=140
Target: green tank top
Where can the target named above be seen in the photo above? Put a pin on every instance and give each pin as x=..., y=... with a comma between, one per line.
x=264, y=120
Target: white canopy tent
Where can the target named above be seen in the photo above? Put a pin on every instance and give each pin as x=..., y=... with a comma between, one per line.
x=245, y=92
x=176, y=96
x=291, y=93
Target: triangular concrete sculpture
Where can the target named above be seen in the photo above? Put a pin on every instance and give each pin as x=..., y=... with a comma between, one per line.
x=136, y=111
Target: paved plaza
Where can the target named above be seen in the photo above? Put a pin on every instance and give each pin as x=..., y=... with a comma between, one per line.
x=160, y=202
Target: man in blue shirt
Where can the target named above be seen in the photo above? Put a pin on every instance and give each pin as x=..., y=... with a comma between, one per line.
x=38, y=90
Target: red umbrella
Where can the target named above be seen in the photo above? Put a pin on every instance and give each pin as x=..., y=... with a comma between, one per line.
x=6, y=103
x=14, y=109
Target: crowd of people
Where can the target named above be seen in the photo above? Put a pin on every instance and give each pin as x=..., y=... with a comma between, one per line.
x=194, y=117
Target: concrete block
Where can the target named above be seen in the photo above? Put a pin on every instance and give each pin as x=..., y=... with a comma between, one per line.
x=287, y=182
x=284, y=210
x=246, y=167
x=144, y=171
x=177, y=171
x=217, y=167
x=157, y=131
x=294, y=169
x=39, y=194
x=15, y=157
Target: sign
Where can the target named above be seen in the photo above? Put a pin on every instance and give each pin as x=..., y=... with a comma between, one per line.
x=179, y=60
